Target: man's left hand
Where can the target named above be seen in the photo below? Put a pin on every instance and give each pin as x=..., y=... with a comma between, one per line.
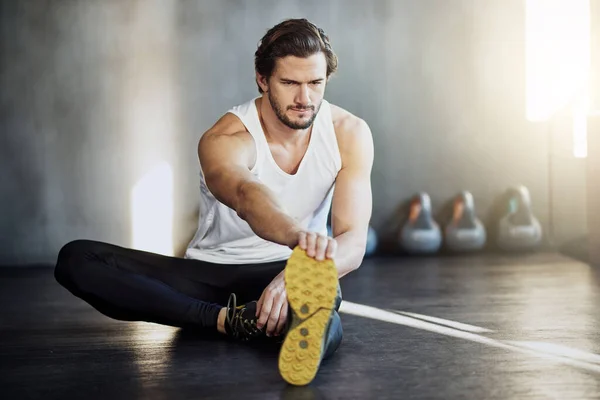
x=272, y=307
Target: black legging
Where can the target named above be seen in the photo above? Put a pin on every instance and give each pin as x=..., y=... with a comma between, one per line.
x=133, y=285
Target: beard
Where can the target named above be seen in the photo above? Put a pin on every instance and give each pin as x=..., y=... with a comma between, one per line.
x=286, y=120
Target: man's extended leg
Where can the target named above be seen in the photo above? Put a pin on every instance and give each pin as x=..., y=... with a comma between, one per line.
x=334, y=336
x=133, y=285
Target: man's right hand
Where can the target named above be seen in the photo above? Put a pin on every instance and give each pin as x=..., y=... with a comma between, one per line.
x=316, y=245
x=272, y=306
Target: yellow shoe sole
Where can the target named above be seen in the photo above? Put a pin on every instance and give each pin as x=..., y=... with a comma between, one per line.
x=311, y=288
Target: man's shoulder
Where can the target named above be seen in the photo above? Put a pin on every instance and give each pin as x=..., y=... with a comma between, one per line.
x=228, y=124
x=229, y=132
x=348, y=127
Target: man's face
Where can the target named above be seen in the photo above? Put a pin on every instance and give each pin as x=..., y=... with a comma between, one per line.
x=296, y=89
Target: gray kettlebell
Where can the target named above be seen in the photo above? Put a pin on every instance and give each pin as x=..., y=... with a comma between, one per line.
x=420, y=234
x=464, y=232
x=519, y=229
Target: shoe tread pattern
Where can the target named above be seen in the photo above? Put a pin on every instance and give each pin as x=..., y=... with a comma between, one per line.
x=311, y=288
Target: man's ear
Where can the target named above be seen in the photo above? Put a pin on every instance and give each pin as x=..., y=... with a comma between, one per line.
x=263, y=82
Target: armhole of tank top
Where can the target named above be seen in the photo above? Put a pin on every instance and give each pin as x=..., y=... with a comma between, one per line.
x=257, y=147
x=334, y=140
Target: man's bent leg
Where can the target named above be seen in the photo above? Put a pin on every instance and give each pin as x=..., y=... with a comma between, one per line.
x=127, y=284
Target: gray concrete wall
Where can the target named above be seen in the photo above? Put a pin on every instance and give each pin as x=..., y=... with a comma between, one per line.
x=95, y=94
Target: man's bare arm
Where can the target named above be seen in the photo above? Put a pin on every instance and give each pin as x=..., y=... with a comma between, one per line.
x=226, y=154
x=352, y=199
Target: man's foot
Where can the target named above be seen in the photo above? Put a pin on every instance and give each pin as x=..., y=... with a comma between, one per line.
x=240, y=321
x=312, y=291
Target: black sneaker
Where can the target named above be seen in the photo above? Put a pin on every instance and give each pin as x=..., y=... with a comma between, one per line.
x=313, y=294
x=240, y=321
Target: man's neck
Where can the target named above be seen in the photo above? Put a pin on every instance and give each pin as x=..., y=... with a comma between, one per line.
x=276, y=131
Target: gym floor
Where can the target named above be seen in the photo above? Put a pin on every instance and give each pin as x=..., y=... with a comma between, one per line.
x=476, y=327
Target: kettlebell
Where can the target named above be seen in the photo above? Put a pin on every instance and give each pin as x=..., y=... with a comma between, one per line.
x=519, y=229
x=464, y=232
x=420, y=234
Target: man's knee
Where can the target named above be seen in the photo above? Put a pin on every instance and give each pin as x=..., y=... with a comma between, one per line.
x=70, y=258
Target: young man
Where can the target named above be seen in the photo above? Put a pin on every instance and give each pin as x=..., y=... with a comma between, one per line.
x=271, y=169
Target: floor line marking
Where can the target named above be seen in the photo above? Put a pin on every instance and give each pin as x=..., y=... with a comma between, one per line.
x=446, y=322
x=387, y=316
x=557, y=349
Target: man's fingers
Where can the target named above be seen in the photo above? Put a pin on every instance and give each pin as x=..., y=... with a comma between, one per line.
x=311, y=244
x=302, y=240
x=322, y=242
x=317, y=246
x=265, y=311
x=273, y=318
x=331, y=248
x=282, y=317
x=259, y=304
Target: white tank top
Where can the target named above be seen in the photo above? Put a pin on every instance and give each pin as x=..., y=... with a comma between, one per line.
x=223, y=237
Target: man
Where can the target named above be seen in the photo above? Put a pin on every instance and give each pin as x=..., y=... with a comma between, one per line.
x=271, y=169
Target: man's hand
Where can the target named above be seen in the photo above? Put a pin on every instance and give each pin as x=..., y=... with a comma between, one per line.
x=272, y=307
x=316, y=246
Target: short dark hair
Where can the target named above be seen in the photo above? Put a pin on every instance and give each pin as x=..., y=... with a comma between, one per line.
x=292, y=37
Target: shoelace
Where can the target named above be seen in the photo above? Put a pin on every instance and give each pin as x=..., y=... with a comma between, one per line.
x=241, y=328
x=228, y=317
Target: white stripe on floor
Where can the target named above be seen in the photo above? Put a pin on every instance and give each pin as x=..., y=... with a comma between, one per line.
x=446, y=322
x=575, y=358
x=558, y=350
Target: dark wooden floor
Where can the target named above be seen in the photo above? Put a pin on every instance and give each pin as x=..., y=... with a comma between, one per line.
x=533, y=333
